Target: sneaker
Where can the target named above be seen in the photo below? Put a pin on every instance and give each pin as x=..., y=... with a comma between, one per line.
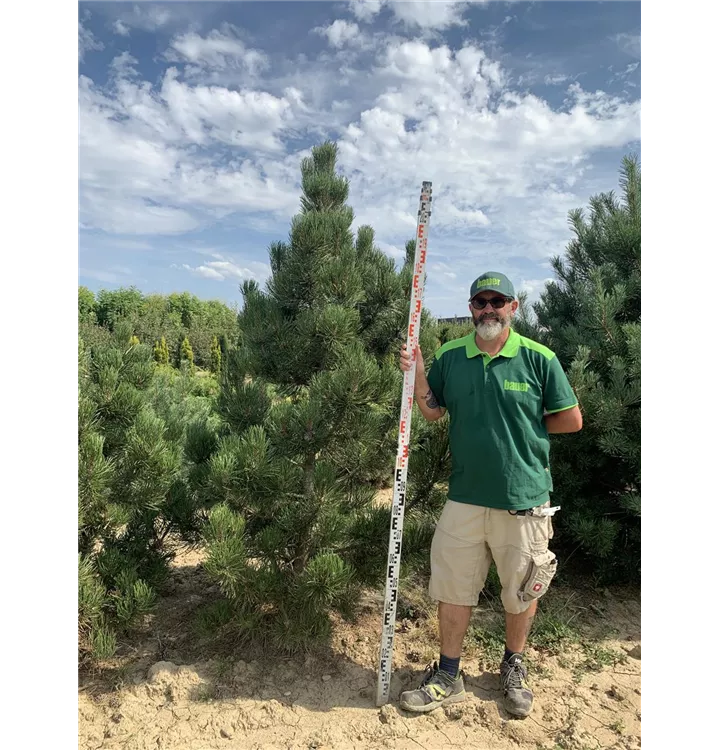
x=438, y=688
x=518, y=698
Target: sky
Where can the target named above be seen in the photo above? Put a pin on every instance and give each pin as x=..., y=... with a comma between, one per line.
x=194, y=119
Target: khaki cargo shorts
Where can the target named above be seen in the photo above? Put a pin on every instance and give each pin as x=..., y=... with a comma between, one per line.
x=467, y=537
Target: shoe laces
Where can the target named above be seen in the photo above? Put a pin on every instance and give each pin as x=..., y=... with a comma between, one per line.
x=432, y=673
x=514, y=675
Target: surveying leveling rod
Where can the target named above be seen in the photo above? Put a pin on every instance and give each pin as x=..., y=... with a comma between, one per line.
x=402, y=457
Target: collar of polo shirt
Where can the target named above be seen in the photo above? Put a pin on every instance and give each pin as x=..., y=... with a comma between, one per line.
x=510, y=348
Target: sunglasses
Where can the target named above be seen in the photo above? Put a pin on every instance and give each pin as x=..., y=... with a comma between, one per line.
x=496, y=302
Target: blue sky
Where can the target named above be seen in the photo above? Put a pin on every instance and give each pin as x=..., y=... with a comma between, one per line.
x=194, y=118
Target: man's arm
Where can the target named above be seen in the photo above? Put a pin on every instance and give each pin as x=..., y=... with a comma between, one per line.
x=424, y=398
x=561, y=408
x=567, y=420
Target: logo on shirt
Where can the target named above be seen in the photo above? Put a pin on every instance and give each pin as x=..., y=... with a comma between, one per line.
x=511, y=386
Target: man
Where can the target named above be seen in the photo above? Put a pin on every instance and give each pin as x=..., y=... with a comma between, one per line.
x=505, y=394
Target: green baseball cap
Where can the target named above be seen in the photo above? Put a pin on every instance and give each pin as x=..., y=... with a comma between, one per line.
x=492, y=281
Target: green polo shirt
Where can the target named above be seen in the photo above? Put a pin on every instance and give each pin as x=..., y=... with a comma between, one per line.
x=498, y=438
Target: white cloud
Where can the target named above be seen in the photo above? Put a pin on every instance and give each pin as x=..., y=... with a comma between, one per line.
x=149, y=160
x=117, y=212
x=630, y=44
x=87, y=42
x=120, y=28
x=224, y=270
x=341, y=33
x=422, y=14
x=365, y=10
x=398, y=254
x=147, y=17
x=205, y=272
x=200, y=115
x=106, y=243
x=466, y=216
x=221, y=49
x=625, y=74
x=250, y=119
x=123, y=66
x=533, y=288
x=429, y=15
x=555, y=80
x=111, y=276
x=443, y=270
x=499, y=159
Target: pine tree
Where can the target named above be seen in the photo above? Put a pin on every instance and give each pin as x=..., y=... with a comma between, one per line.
x=450, y=331
x=161, y=352
x=310, y=404
x=131, y=492
x=591, y=317
x=186, y=354
x=215, y=356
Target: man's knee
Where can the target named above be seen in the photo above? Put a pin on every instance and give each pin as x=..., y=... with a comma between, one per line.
x=518, y=608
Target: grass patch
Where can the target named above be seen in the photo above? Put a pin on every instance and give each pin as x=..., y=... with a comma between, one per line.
x=555, y=625
x=205, y=693
x=554, y=628
x=488, y=639
x=414, y=602
x=595, y=658
x=222, y=669
x=212, y=617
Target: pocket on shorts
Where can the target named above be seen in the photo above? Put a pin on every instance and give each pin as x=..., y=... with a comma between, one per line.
x=538, y=533
x=542, y=569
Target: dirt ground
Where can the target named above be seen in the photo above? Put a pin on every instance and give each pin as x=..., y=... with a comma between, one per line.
x=170, y=691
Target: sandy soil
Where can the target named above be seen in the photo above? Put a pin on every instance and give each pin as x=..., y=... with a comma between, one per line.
x=171, y=690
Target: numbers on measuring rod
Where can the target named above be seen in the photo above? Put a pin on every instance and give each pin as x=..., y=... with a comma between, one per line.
x=402, y=456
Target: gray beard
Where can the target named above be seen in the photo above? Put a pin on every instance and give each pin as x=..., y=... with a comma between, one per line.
x=488, y=330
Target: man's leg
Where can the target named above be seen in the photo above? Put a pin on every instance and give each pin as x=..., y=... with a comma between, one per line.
x=518, y=544
x=518, y=628
x=453, y=623
x=459, y=562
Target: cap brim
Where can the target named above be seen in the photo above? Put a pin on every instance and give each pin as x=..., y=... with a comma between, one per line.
x=489, y=289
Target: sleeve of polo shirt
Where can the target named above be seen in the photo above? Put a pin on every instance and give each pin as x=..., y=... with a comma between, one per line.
x=558, y=394
x=435, y=377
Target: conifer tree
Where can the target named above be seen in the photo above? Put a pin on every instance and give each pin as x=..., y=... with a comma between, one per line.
x=161, y=352
x=591, y=317
x=215, y=356
x=186, y=354
x=131, y=491
x=310, y=404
